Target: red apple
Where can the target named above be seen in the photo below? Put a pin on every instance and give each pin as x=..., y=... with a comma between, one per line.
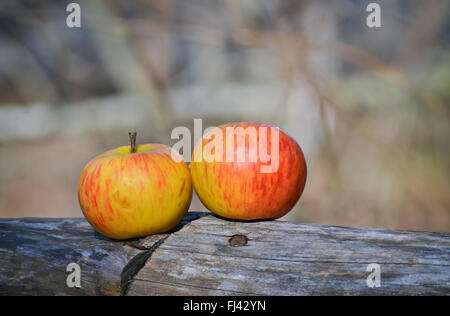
x=135, y=191
x=244, y=171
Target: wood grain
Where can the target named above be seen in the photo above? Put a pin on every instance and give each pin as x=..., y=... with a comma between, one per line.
x=206, y=255
x=284, y=258
x=34, y=254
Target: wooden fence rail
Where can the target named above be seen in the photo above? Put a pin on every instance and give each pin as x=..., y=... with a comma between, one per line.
x=206, y=255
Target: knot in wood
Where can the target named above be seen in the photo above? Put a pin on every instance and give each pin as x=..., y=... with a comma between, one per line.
x=238, y=240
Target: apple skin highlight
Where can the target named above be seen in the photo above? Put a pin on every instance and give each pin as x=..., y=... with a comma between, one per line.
x=238, y=190
x=127, y=195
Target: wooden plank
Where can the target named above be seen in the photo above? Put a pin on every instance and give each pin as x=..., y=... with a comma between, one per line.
x=284, y=258
x=197, y=258
x=35, y=252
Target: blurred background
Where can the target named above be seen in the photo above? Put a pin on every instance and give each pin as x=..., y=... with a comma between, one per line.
x=369, y=106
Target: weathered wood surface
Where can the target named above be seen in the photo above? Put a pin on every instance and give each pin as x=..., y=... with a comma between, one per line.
x=34, y=254
x=278, y=258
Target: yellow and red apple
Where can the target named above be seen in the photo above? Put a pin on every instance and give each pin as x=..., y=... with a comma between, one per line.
x=135, y=191
x=244, y=188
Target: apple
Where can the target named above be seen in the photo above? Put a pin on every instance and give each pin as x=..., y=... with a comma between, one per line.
x=248, y=171
x=135, y=191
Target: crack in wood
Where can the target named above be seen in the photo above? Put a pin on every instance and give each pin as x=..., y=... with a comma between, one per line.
x=281, y=258
x=135, y=264
x=294, y=259
x=301, y=259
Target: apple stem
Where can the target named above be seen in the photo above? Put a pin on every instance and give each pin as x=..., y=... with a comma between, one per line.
x=133, y=141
